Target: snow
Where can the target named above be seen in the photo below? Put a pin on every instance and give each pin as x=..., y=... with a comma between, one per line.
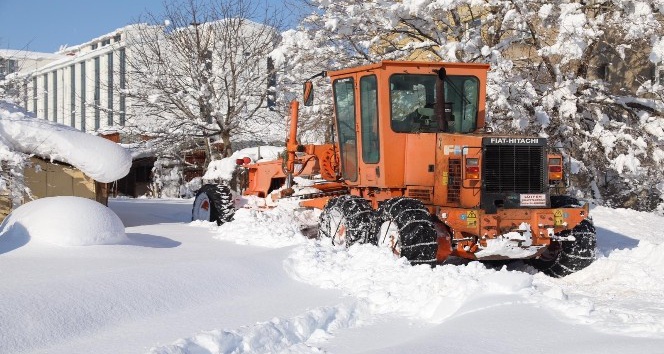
x=223, y=169
x=99, y=158
x=513, y=244
x=534, y=53
x=258, y=285
x=79, y=221
x=24, y=54
x=657, y=54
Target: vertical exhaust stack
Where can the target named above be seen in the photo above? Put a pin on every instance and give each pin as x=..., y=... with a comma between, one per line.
x=441, y=105
x=292, y=143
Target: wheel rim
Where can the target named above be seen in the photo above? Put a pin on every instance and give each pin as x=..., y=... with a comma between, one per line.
x=388, y=237
x=202, y=207
x=337, y=229
x=551, y=253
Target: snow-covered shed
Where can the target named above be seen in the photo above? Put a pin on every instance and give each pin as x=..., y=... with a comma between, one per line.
x=44, y=159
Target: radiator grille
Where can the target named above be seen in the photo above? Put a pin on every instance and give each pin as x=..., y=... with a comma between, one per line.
x=514, y=168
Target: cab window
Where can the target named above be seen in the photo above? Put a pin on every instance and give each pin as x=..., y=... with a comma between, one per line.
x=413, y=97
x=344, y=104
x=369, y=119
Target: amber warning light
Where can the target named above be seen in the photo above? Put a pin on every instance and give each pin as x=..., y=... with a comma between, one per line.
x=555, y=168
x=472, y=168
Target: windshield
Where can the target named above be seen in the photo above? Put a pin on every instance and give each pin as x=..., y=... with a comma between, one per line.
x=412, y=100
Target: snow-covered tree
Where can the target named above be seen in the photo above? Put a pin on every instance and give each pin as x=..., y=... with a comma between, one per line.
x=201, y=72
x=577, y=72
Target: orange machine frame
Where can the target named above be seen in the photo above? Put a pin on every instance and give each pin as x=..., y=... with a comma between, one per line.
x=415, y=165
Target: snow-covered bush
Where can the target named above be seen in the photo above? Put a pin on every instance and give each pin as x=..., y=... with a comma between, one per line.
x=167, y=178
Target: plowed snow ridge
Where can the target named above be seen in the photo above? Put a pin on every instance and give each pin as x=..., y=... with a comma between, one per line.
x=604, y=295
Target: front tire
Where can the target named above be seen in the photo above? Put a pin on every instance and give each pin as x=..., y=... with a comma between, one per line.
x=347, y=219
x=567, y=257
x=406, y=228
x=213, y=202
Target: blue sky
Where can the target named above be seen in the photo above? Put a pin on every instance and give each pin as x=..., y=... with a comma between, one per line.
x=45, y=25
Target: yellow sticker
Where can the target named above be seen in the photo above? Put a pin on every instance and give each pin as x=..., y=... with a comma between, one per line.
x=445, y=178
x=471, y=218
x=558, y=217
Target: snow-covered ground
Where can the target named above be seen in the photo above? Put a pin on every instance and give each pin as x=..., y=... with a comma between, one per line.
x=258, y=285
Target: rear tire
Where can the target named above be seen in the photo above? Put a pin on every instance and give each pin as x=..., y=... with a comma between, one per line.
x=564, y=201
x=406, y=228
x=567, y=257
x=347, y=219
x=213, y=202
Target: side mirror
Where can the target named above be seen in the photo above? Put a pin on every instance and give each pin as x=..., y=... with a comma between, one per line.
x=308, y=96
x=442, y=73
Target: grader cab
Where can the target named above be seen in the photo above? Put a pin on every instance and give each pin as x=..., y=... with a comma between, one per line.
x=419, y=172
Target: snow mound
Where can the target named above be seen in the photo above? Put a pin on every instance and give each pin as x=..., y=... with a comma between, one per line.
x=99, y=158
x=292, y=335
x=64, y=221
x=620, y=293
x=393, y=286
x=272, y=228
x=223, y=169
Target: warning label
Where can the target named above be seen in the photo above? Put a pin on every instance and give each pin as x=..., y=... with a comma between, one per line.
x=558, y=219
x=471, y=218
x=533, y=199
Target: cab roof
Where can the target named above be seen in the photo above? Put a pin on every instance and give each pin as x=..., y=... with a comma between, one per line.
x=392, y=64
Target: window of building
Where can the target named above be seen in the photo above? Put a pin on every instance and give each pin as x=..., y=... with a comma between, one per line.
x=72, y=95
x=94, y=46
x=123, y=85
x=110, y=88
x=54, y=96
x=117, y=38
x=106, y=42
x=7, y=66
x=97, y=92
x=83, y=96
x=34, y=95
x=46, y=96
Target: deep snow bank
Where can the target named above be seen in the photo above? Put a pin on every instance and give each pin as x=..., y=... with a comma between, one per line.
x=621, y=292
x=63, y=221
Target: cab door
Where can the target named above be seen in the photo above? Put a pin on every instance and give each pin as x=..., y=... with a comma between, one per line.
x=345, y=109
x=370, y=142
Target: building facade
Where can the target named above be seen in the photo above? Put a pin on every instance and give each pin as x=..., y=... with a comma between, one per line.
x=86, y=86
x=82, y=86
